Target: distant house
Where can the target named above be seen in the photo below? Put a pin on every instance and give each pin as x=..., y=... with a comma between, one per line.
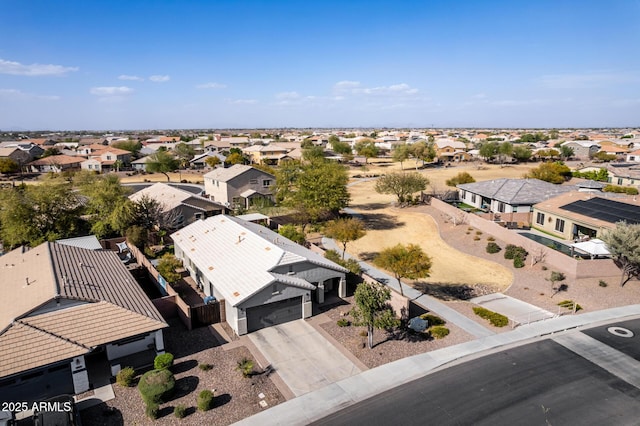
x=33, y=150
x=624, y=174
x=262, y=278
x=634, y=156
x=104, y=158
x=266, y=154
x=238, y=185
x=56, y=164
x=583, y=150
x=69, y=317
x=182, y=207
x=15, y=154
x=200, y=161
x=509, y=195
x=140, y=164
x=576, y=215
x=449, y=150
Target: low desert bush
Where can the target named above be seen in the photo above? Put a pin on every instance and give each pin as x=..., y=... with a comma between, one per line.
x=205, y=366
x=433, y=320
x=245, y=366
x=494, y=318
x=180, y=411
x=493, y=247
x=125, y=377
x=163, y=361
x=439, y=332
x=343, y=322
x=156, y=385
x=205, y=400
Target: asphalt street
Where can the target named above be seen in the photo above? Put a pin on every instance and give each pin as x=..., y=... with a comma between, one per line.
x=541, y=383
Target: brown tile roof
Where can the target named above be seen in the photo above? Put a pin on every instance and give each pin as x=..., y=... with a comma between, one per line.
x=58, y=159
x=24, y=347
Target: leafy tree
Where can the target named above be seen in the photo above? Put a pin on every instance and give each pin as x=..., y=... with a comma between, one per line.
x=401, y=153
x=313, y=152
x=405, y=262
x=505, y=149
x=167, y=266
x=401, y=184
x=602, y=175
x=50, y=151
x=460, y=178
x=162, y=162
x=351, y=264
x=137, y=235
x=366, y=148
x=235, y=158
x=566, y=152
x=32, y=214
x=423, y=151
x=522, y=153
x=489, y=150
x=8, y=165
x=212, y=161
x=345, y=230
x=603, y=156
x=184, y=153
x=339, y=147
x=314, y=189
x=629, y=190
x=291, y=232
x=554, y=134
x=623, y=243
x=133, y=147
x=550, y=172
x=372, y=310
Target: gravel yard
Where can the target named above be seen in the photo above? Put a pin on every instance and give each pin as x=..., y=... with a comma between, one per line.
x=236, y=397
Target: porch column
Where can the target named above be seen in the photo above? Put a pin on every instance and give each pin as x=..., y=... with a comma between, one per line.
x=79, y=375
x=320, y=291
x=307, y=306
x=342, y=287
x=242, y=321
x=159, y=341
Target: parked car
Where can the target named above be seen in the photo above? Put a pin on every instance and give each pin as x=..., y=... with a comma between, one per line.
x=59, y=411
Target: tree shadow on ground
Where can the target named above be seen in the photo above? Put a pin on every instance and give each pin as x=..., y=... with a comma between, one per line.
x=184, y=366
x=368, y=256
x=560, y=288
x=221, y=400
x=381, y=221
x=100, y=414
x=371, y=206
x=409, y=335
x=448, y=291
x=165, y=411
x=184, y=386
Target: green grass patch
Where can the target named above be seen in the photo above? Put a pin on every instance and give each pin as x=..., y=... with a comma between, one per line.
x=496, y=319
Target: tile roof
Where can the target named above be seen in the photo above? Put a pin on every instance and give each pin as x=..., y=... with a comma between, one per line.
x=238, y=255
x=516, y=191
x=171, y=197
x=226, y=174
x=58, y=159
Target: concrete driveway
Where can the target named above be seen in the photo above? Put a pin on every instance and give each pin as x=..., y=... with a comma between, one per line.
x=303, y=358
x=516, y=310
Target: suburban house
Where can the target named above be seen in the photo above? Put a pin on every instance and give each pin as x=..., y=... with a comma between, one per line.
x=624, y=174
x=265, y=154
x=448, y=150
x=56, y=163
x=583, y=150
x=263, y=278
x=33, y=150
x=104, y=158
x=179, y=206
x=238, y=185
x=15, y=154
x=199, y=161
x=634, y=156
x=67, y=316
x=140, y=164
x=576, y=215
x=509, y=195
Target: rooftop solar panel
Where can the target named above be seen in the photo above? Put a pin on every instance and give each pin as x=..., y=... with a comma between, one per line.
x=604, y=209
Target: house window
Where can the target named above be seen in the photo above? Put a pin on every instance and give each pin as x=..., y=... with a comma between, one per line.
x=266, y=183
x=108, y=157
x=540, y=218
x=619, y=181
x=559, y=225
x=463, y=194
x=253, y=181
x=198, y=216
x=473, y=198
x=501, y=207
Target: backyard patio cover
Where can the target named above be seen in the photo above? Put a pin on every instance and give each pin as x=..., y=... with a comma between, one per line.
x=593, y=247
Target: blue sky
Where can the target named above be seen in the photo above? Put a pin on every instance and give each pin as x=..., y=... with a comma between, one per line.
x=246, y=64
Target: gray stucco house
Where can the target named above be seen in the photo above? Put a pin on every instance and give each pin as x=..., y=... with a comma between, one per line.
x=263, y=278
x=238, y=185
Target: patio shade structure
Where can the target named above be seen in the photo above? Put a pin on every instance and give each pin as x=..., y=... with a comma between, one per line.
x=593, y=247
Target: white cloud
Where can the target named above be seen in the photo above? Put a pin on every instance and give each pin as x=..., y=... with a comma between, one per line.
x=16, y=68
x=356, y=88
x=288, y=95
x=211, y=86
x=111, y=91
x=19, y=94
x=346, y=84
x=587, y=80
x=130, y=77
x=243, y=101
x=159, y=78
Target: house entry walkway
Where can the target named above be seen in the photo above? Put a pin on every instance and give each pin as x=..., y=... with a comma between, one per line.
x=303, y=358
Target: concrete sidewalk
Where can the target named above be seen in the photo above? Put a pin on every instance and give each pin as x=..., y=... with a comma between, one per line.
x=316, y=405
x=423, y=300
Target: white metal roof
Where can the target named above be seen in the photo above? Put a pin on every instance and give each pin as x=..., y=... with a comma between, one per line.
x=237, y=256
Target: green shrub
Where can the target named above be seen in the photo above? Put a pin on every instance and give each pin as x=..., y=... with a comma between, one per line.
x=163, y=361
x=343, y=322
x=476, y=238
x=180, y=411
x=245, y=366
x=478, y=232
x=494, y=318
x=513, y=251
x=439, y=331
x=490, y=239
x=156, y=385
x=205, y=367
x=602, y=283
x=493, y=247
x=125, y=377
x=433, y=320
x=518, y=262
x=151, y=410
x=569, y=305
x=205, y=400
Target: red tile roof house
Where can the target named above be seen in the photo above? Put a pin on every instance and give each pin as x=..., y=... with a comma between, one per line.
x=69, y=315
x=56, y=163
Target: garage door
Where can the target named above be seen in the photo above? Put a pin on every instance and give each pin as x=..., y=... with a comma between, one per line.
x=39, y=386
x=274, y=313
